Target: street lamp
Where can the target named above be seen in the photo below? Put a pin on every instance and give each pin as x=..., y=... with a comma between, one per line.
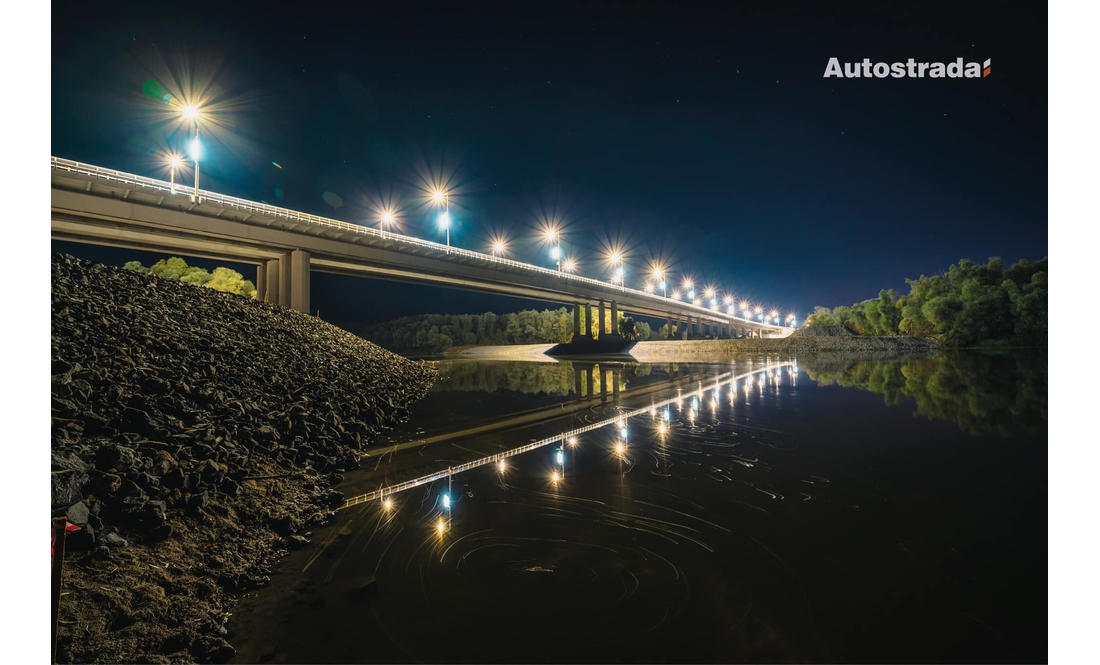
x=445, y=224
x=387, y=219
x=174, y=162
x=649, y=287
x=568, y=265
x=555, y=254
x=192, y=114
x=498, y=247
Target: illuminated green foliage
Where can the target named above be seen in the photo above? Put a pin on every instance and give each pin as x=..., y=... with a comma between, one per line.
x=968, y=305
x=175, y=268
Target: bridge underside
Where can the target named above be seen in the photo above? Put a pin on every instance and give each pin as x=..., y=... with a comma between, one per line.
x=285, y=251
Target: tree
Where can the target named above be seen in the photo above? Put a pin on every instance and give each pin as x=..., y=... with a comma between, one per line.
x=628, y=329
x=969, y=304
x=175, y=268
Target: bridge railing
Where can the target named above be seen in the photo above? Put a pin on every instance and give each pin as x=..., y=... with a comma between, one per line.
x=130, y=179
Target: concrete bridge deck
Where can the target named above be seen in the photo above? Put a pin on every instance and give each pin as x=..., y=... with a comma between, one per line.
x=91, y=204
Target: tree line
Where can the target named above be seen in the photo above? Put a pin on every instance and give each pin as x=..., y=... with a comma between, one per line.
x=969, y=304
x=431, y=334
x=222, y=279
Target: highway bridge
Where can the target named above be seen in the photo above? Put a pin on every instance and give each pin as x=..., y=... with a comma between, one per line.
x=96, y=205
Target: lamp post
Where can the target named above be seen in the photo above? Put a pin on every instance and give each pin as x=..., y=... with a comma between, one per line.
x=196, y=153
x=173, y=163
x=192, y=114
x=444, y=199
x=445, y=224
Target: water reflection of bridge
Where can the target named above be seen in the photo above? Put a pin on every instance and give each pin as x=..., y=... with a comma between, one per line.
x=695, y=380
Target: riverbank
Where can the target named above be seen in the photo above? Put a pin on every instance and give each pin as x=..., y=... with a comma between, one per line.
x=195, y=437
x=826, y=340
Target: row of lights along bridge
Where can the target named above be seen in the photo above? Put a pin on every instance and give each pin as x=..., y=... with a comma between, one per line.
x=658, y=276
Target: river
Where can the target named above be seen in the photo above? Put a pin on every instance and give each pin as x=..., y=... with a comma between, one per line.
x=762, y=510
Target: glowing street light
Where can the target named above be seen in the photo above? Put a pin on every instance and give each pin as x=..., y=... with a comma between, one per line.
x=572, y=441
x=498, y=247
x=568, y=265
x=385, y=220
x=501, y=466
x=728, y=300
x=675, y=294
x=387, y=504
x=446, y=502
x=191, y=112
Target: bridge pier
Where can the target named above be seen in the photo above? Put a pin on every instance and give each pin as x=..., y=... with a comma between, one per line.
x=615, y=385
x=685, y=327
x=668, y=335
x=591, y=382
x=299, y=280
x=601, y=327
x=577, y=378
x=261, y=282
x=588, y=322
x=271, y=282
x=284, y=280
x=613, y=334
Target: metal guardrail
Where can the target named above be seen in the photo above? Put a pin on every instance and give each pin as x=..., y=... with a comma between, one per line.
x=563, y=437
x=111, y=175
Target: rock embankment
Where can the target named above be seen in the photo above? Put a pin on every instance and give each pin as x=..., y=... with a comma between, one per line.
x=194, y=438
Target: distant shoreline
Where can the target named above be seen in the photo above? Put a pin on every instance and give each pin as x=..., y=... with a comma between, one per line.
x=697, y=349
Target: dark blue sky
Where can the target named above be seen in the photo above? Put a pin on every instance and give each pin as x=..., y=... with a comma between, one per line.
x=704, y=135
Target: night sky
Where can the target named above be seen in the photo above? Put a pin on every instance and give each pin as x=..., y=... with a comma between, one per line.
x=706, y=137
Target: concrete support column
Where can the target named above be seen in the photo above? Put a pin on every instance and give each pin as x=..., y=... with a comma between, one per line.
x=604, y=380
x=601, y=323
x=615, y=384
x=261, y=281
x=299, y=284
x=588, y=326
x=577, y=379
x=590, y=380
x=284, y=280
x=271, y=293
x=668, y=335
x=614, y=317
x=685, y=327
x=576, y=320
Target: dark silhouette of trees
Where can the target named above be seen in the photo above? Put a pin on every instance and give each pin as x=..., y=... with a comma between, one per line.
x=969, y=304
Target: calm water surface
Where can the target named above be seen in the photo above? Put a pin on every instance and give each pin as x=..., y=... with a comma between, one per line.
x=764, y=510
